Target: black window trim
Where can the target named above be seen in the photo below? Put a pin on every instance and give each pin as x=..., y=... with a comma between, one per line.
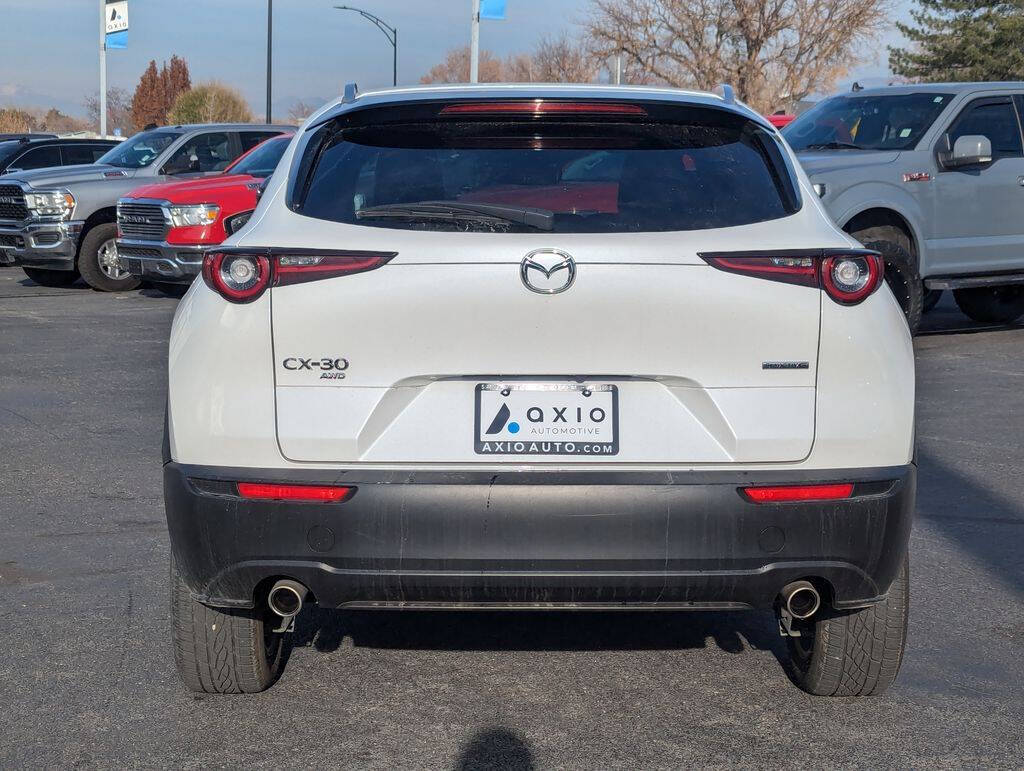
x=41, y=146
x=1013, y=100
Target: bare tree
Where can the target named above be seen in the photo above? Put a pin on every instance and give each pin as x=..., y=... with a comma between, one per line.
x=558, y=59
x=563, y=60
x=119, y=111
x=455, y=68
x=300, y=110
x=773, y=52
x=16, y=120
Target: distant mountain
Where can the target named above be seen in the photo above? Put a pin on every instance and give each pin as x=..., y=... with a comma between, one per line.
x=13, y=95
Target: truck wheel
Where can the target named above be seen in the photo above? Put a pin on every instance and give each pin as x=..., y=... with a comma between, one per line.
x=901, y=273
x=931, y=299
x=51, y=277
x=222, y=651
x=854, y=652
x=992, y=304
x=97, y=260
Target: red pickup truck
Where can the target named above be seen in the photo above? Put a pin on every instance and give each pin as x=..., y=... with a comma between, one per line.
x=163, y=230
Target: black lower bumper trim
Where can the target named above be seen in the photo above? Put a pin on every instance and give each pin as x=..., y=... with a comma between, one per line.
x=538, y=539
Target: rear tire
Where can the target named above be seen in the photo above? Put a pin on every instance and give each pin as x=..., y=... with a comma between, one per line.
x=222, y=651
x=901, y=271
x=992, y=305
x=854, y=652
x=97, y=260
x=51, y=277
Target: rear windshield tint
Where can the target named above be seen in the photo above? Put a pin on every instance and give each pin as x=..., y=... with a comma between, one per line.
x=710, y=170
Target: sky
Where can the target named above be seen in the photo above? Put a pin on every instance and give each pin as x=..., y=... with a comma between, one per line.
x=50, y=55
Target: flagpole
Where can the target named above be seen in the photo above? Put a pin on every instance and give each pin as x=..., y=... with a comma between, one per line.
x=474, y=45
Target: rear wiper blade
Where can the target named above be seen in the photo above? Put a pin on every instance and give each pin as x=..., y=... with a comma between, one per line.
x=541, y=219
x=834, y=146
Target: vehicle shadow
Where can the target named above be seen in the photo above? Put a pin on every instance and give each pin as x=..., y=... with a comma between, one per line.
x=946, y=319
x=495, y=748
x=546, y=630
x=78, y=286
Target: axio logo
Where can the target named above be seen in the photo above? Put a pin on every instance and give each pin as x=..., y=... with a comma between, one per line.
x=547, y=271
x=498, y=424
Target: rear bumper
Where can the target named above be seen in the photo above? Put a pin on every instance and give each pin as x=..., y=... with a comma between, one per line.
x=545, y=539
x=159, y=260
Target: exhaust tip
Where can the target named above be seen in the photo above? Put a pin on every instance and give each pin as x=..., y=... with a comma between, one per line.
x=801, y=599
x=286, y=597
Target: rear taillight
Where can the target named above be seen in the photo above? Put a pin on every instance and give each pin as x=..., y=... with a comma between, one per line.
x=242, y=275
x=848, y=276
x=277, y=492
x=298, y=268
x=790, y=493
x=240, y=278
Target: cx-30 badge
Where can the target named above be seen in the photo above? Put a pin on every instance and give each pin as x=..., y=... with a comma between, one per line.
x=547, y=271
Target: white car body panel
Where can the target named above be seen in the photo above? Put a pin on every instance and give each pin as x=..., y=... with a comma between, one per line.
x=684, y=343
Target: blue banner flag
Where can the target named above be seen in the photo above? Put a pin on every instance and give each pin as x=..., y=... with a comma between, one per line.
x=117, y=39
x=492, y=9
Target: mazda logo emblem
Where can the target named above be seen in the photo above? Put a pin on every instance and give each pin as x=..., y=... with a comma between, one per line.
x=547, y=271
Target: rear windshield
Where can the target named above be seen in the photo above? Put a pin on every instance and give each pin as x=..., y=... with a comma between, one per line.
x=585, y=177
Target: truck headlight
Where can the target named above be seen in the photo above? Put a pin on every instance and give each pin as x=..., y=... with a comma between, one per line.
x=195, y=214
x=50, y=203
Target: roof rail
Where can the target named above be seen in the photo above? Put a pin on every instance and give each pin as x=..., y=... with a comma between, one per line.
x=725, y=91
x=351, y=90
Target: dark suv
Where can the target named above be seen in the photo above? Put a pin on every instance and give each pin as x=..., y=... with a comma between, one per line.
x=41, y=151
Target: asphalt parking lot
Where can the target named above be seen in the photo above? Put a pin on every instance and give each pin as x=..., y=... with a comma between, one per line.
x=87, y=678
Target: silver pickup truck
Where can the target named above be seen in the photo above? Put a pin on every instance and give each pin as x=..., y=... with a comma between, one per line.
x=59, y=223
x=933, y=177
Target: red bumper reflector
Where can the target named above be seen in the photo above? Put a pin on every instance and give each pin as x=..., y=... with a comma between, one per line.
x=294, y=492
x=799, y=493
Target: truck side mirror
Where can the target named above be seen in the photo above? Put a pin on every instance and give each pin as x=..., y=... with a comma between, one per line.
x=968, y=150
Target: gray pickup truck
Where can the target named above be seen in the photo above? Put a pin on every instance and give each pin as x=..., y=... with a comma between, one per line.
x=59, y=223
x=932, y=176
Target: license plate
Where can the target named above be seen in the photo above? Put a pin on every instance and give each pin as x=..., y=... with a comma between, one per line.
x=546, y=419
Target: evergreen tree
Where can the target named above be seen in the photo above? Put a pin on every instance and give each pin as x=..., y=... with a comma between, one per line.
x=962, y=40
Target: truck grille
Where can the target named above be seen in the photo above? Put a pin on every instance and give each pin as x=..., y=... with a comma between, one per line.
x=141, y=220
x=12, y=203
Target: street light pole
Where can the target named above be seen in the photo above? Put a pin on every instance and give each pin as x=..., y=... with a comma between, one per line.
x=474, y=44
x=103, y=69
x=270, y=38
x=391, y=33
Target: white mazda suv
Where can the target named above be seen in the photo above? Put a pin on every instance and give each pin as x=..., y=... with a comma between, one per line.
x=540, y=347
